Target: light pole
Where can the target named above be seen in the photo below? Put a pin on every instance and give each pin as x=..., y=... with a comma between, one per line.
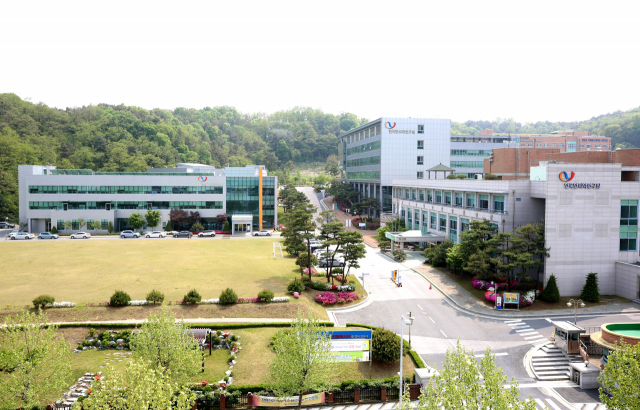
x=403, y=321
x=576, y=303
x=411, y=319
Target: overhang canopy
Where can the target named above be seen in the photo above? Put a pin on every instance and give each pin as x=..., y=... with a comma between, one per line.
x=414, y=236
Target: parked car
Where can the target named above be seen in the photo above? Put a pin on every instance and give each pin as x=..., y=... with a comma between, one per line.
x=262, y=233
x=207, y=233
x=171, y=233
x=47, y=235
x=183, y=234
x=4, y=225
x=80, y=235
x=13, y=233
x=22, y=235
x=324, y=263
x=129, y=234
x=156, y=234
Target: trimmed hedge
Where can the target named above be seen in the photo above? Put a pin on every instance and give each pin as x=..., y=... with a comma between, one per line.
x=417, y=359
x=345, y=385
x=214, y=326
x=406, y=347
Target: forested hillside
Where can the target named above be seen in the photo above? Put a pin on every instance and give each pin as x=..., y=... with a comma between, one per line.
x=122, y=138
x=622, y=126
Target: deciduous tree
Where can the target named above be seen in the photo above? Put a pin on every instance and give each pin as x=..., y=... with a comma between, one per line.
x=152, y=218
x=621, y=378
x=136, y=220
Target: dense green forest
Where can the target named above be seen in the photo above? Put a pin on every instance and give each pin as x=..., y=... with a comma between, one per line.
x=622, y=126
x=123, y=138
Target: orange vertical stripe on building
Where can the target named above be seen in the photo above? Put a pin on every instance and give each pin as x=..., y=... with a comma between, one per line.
x=260, y=201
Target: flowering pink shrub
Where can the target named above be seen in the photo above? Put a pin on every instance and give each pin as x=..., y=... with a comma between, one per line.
x=490, y=296
x=313, y=271
x=331, y=298
x=296, y=295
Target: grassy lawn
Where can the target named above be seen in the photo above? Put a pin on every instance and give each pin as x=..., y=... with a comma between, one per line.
x=90, y=271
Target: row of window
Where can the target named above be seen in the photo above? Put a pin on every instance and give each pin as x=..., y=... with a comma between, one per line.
x=467, y=164
x=436, y=222
x=88, y=225
x=561, y=145
x=64, y=206
x=451, y=198
x=361, y=162
x=78, y=189
x=369, y=175
x=628, y=225
x=372, y=146
x=360, y=135
x=470, y=152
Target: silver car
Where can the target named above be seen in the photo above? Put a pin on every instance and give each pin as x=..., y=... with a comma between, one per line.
x=207, y=233
x=262, y=233
x=47, y=235
x=129, y=234
x=22, y=235
x=80, y=235
x=156, y=234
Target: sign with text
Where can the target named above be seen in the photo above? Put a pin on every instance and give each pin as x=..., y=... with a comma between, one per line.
x=350, y=345
x=343, y=357
x=511, y=297
x=290, y=401
x=348, y=334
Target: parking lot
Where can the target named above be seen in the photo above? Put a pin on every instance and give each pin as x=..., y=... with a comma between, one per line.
x=242, y=235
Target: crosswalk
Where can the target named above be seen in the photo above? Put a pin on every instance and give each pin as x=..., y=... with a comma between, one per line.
x=525, y=331
x=540, y=404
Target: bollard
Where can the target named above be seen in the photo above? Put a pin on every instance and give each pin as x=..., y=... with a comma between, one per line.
x=250, y=400
x=356, y=395
x=330, y=398
x=414, y=391
x=222, y=406
x=383, y=393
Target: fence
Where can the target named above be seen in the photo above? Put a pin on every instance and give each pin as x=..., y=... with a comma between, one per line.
x=346, y=396
x=393, y=393
x=370, y=394
x=209, y=404
x=236, y=402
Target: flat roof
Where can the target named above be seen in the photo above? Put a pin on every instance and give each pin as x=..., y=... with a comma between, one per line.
x=413, y=236
x=568, y=327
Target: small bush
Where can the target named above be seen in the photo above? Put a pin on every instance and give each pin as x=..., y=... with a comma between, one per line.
x=168, y=227
x=266, y=296
x=54, y=229
x=451, y=176
x=306, y=281
x=192, y=297
x=207, y=389
x=216, y=341
x=490, y=177
x=226, y=227
x=234, y=338
x=228, y=297
x=42, y=301
x=295, y=286
x=155, y=296
x=399, y=255
x=120, y=298
x=590, y=291
x=550, y=293
x=385, y=345
x=219, y=332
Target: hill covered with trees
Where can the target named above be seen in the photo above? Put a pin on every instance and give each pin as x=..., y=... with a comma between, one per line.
x=125, y=138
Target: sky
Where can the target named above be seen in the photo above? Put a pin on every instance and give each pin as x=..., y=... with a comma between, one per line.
x=558, y=60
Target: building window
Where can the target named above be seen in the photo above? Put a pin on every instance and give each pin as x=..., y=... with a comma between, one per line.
x=89, y=227
x=555, y=145
x=628, y=225
x=603, y=146
x=75, y=225
x=443, y=223
x=458, y=198
x=470, y=152
x=105, y=224
x=539, y=145
x=416, y=220
x=597, y=146
x=413, y=194
x=522, y=144
x=425, y=222
x=467, y=164
x=421, y=191
x=498, y=203
x=529, y=145
x=588, y=145
x=433, y=221
x=484, y=201
x=562, y=145
x=471, y=200
x=420, y=160
x=453, y=229
x=546, y=144
x=406, y=193
x=581, y=146
x=420, y=144
x=401, y=216
x=60, y=226
x=409, y=217
x=420, y=129
x=464, y=224
x=438, y=197
x=429, y=195
x=447, y=198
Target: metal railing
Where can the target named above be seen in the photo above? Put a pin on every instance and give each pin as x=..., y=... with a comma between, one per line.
x=236, y=402
x=393, y=393
x=209, y=404
x=369, y=394
x=343, y=396
x=471, y=208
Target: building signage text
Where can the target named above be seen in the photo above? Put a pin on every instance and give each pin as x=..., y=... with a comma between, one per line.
x=402, y=131
x=583, y=185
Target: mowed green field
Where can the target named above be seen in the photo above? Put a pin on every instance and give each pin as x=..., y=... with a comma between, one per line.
x=90, y=271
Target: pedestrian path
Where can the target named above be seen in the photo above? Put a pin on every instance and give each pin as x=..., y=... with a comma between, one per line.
x=525, y=331
x=540, y=404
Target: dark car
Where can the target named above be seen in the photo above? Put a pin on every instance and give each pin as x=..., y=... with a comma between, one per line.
x=183, y=234
x=323, y=263
x=4, y=225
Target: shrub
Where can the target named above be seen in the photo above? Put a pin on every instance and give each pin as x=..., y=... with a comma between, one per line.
x=331, y=298
x=228, y=297
x=295, y=286
x=234, y=338
x=385, y=345
x=306, y=281
x=590, y=291
x=155, y=296
x=461, y=176
x=54, y=229
x=120, y=298
x=217, y=341
x=337, y=271
x=197, y=227
x=490, y=177
x=265, y=296
x=227, y=227
x=192, y=297
x=168, y=227
x=451, y=176
x=399, y=255
x=319, y=285
x=42, y=301
x=206, y=388
x=550, y=293
x=219, y=332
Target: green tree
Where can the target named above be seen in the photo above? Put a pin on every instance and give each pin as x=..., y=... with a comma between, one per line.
x=507, y=247
x=621, y=378
x=283, y=152
x=136, y=220
x=41, y=357
x=478, y=265
x=325, y=217
x=155, y=296
x=81, y=224
x=331, y=235
x=96, y=225
x=197, y=227
x=303, y=360
x=539, y=250
x=226, y=227
x=110, y=227
x=470, y=384
x=67, y=225
x=299, y=232
x=152, y=218
x=385, y=345
x=550, y=293
x=590, y=291
x=161, y=342
x=353, y=250
x=455, y=257
x=141, y=385
x=399, y=255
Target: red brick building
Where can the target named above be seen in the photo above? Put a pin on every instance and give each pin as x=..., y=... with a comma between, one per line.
x=515, y=163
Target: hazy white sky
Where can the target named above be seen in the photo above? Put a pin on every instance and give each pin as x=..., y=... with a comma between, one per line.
x=529, y=60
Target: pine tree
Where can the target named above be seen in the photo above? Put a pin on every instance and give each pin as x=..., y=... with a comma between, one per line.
x=551, y=293
x=590, y=291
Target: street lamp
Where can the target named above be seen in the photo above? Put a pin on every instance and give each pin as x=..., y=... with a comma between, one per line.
x=403, y=321
x=411, y=318
x=576, y=303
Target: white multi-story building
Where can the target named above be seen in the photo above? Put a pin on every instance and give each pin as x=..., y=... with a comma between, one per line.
x=590, y=212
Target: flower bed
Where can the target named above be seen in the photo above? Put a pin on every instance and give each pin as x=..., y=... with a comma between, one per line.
x=483, y=284
x=278, y=299
x=331, y=298
x=62, y=304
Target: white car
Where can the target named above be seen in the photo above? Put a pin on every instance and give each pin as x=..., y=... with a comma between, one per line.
x=262, y=233
x=207, y=233
x=13, y=233
x=80, y=235
x=22, y=235
x=156, y=234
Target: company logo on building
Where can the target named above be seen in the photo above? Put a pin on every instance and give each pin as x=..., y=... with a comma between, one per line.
x=389, y=126
x=202, y=179
x=564, y=177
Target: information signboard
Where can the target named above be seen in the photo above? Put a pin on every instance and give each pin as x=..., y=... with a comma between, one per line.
x=291, y=401
x=350, y=345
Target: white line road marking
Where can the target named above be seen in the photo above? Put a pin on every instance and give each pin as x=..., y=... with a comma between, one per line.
x=420, y=309
x=442, y=333
x=552, y=404
x=495, y=354
x=512, y=321
x=529, y=334
x=528, y=329
x=519, y=326
x=431, y=321
x=537, y=341
x=548, y=320
x=516, y=324
x=540, y=403
x=528, y=338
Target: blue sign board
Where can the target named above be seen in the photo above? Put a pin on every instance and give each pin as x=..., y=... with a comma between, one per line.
x=348, y=334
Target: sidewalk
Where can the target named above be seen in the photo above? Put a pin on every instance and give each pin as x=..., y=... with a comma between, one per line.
x=368, y=235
